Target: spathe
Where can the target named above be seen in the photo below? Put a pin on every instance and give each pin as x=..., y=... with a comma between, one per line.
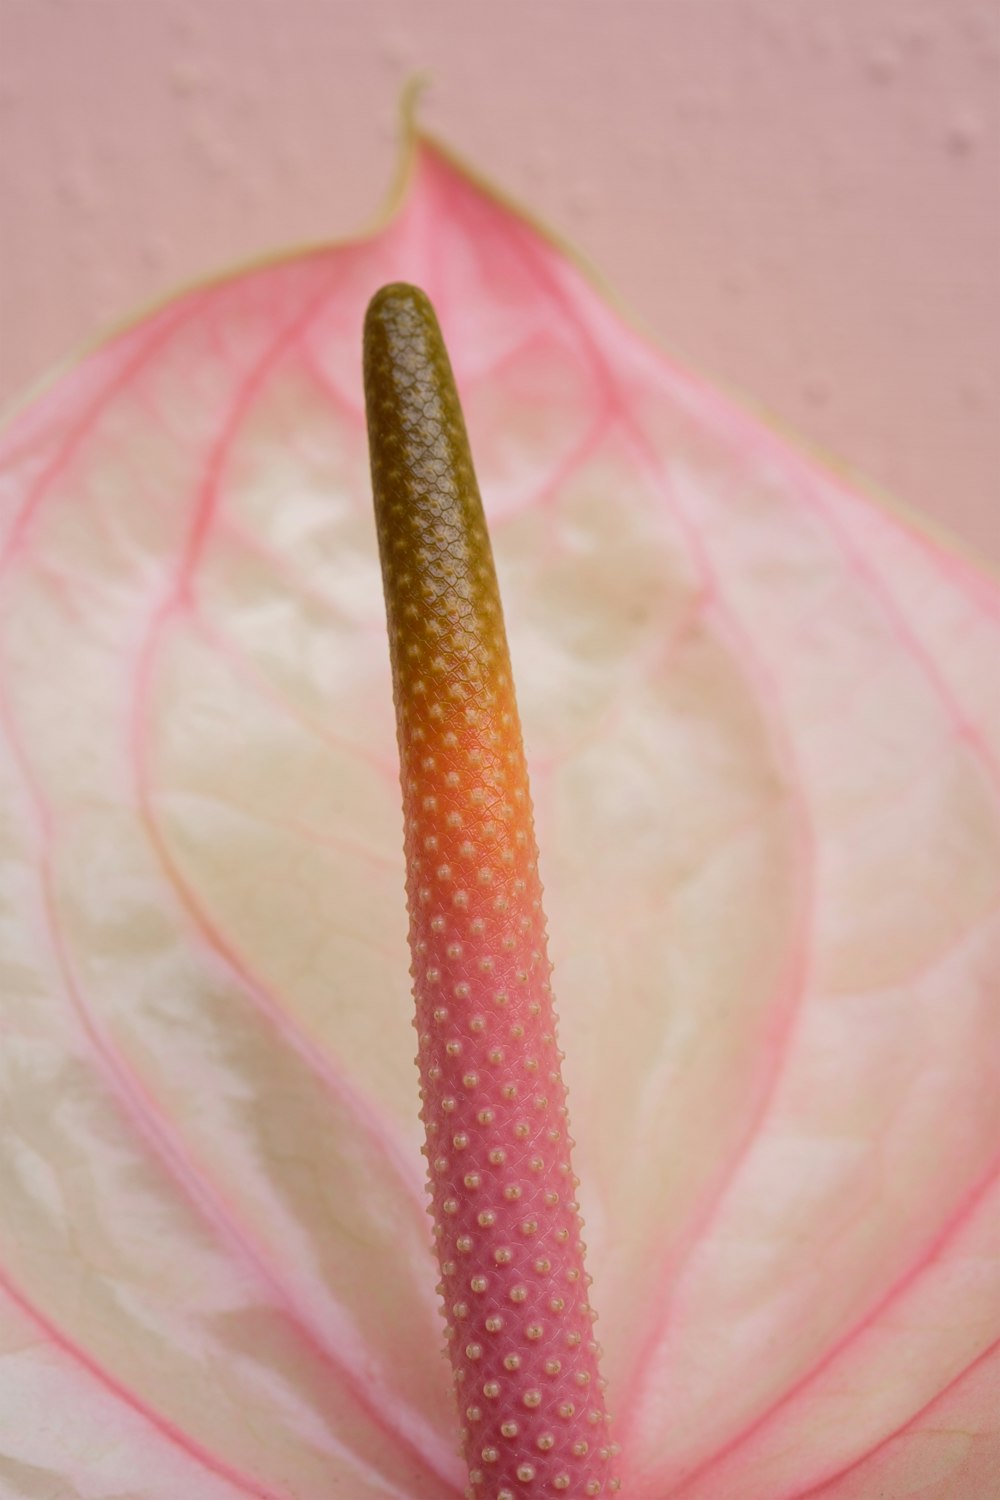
x=764, y=727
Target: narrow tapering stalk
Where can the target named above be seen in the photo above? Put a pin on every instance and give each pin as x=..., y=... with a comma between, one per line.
x=506, y=1223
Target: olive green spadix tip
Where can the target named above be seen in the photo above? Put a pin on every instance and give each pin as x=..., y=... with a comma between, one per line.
x=506, y=1223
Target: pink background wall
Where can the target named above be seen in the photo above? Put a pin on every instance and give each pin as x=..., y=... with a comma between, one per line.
x=800, y=198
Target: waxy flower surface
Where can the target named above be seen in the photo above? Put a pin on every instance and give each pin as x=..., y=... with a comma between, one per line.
x=763, y=732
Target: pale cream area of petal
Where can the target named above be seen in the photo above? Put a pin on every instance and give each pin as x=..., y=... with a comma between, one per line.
x=886, y=1116
x=58, y=1426
x=874, y=1386
x=948, y=1450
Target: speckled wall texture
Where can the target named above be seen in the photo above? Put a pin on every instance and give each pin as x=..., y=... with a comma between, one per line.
x=801, y=198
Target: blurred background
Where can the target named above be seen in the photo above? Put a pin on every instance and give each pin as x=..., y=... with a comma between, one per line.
x=799, y=199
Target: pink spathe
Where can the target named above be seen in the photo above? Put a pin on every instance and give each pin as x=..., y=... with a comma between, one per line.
x=800, y=201
x=765, y=765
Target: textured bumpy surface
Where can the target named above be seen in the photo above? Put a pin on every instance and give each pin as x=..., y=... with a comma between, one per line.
x=507, y=1223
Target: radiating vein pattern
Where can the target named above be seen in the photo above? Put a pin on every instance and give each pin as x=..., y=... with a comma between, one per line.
x=764, y=739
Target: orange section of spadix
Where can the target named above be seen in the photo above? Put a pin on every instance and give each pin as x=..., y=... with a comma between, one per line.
x=507, y=1225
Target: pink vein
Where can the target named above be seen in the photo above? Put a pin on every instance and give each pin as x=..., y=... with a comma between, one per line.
x=378, y=1406
x=973, y=736
x=964, y=729
x=792, y=985
x=719, y=413
x=119, y=380
x=177, y=601
x=139, y=1109
x=160, y=1424
x=967, y=1207
x=340, y=844
x=920, y=1267
x=280, y=566
x=142, y=1113
x=966, y=732
x=243, y=667
x=891, y=1437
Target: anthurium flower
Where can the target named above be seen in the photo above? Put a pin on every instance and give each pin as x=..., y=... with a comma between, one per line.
x=763, y=731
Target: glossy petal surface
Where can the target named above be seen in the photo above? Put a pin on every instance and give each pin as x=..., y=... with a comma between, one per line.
x=764, y=737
